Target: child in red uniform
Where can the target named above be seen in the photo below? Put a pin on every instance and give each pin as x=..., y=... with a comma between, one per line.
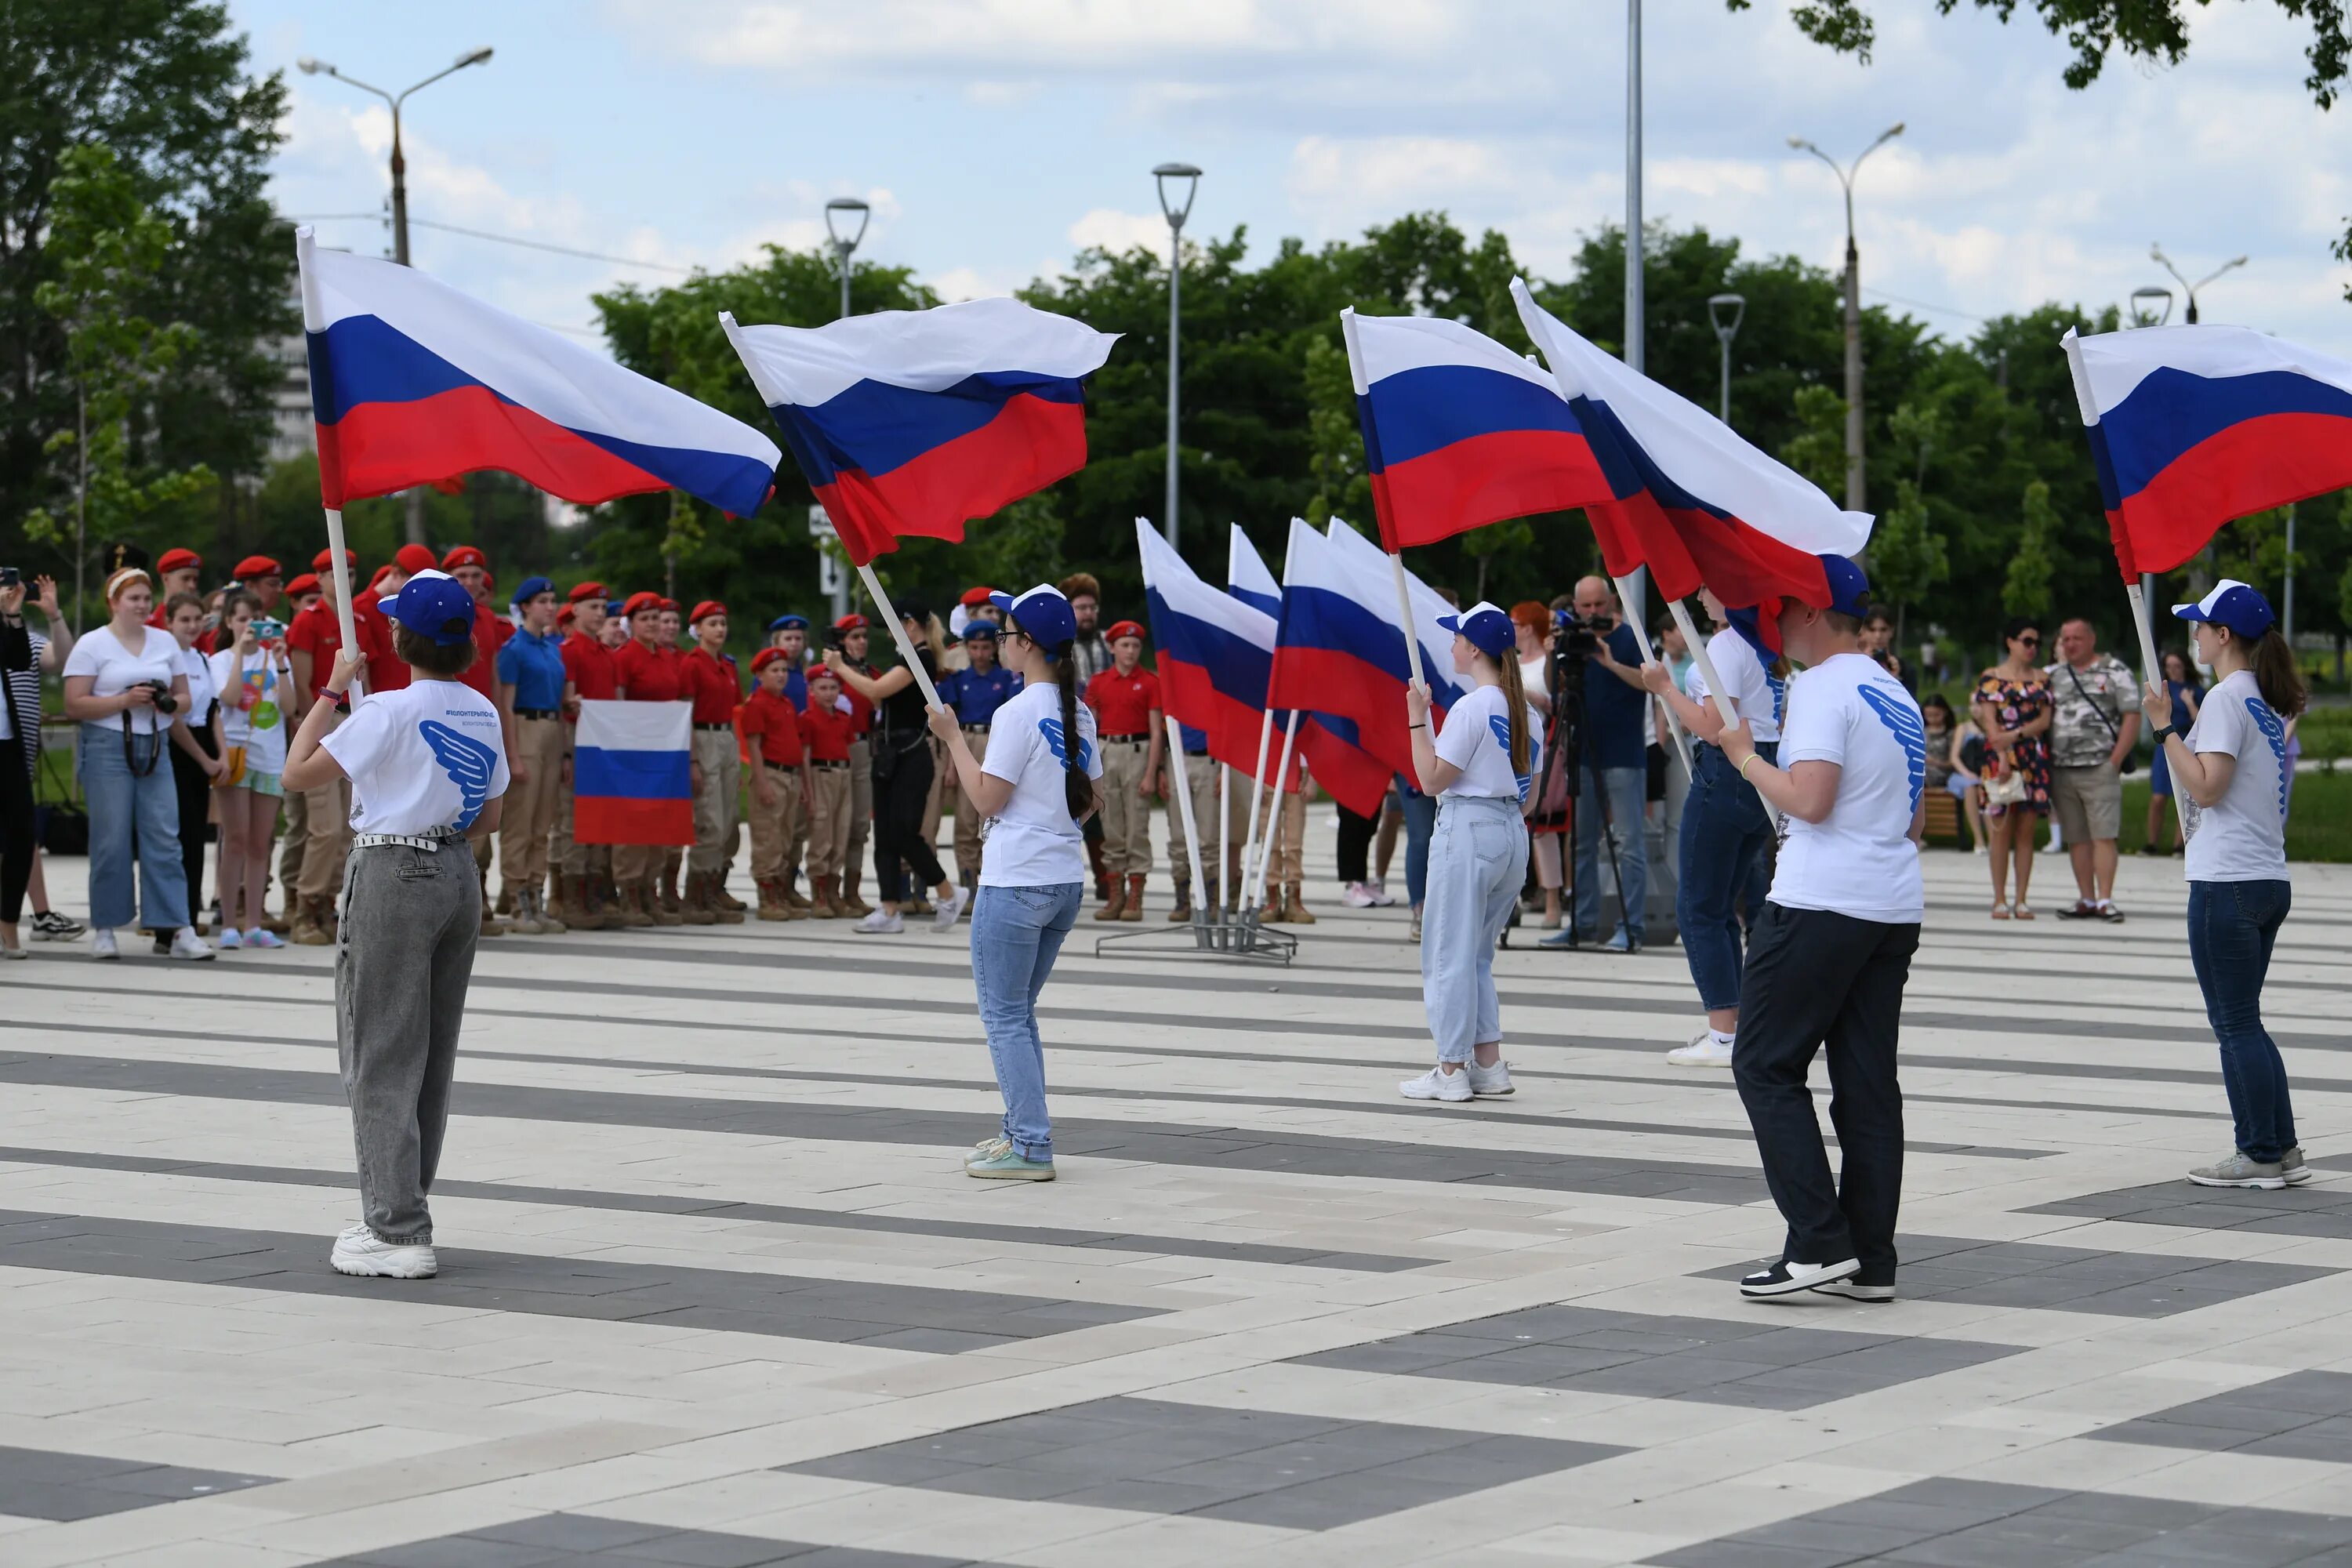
x=828, y=729
x=770, y=728
x=647, y=672
x=1125, y=700
x=712, y=685
x=588, y=902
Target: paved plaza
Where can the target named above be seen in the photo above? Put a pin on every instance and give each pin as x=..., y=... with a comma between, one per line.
x=714, y=1289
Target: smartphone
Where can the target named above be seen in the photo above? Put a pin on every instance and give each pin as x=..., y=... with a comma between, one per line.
x=10, y=577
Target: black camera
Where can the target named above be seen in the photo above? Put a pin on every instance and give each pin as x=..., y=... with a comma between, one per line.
x=164, y=702
x=9, y=578
x=1577, y=639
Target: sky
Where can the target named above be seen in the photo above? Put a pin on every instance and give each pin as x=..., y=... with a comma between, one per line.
x=997, y=138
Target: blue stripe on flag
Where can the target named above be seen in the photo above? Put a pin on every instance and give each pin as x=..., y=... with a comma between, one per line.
x=1430, y=407
x=632, y=775
x=876, y=427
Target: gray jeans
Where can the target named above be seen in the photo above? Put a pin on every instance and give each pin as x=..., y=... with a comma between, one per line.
x=404, y=954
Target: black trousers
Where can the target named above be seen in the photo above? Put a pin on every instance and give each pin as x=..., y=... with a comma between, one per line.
x=1355, y=845
x=1816, y=978
x=195, y=792
x=16, y=830
x=901, y=786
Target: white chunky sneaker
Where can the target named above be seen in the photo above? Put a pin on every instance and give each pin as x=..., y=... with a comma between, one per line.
x=1489, y=1083
x=880, y=923
x=359, y=1251
x=1703, y=1051
x=1437, y=1084
x=186, y=943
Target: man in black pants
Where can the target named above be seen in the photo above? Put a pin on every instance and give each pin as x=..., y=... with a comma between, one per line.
x=1829, y=957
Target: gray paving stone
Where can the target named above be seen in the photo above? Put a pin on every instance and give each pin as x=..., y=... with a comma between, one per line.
x=42, y=1483
x=2300, y=1415
x=613, y=1543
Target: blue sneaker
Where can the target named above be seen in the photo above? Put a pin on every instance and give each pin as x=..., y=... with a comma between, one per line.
x=1622, y=942
x=1003, y=1163
x=1557, y=940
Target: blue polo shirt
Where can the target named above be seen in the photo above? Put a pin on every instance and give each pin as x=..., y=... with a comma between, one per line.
x=533, y=665
x=975, y=697
x=1617, y=716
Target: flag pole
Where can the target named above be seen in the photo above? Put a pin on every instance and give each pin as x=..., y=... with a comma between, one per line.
x=314, y=320
x=1722, y=699
x=1184, y=809
x=1257, y=795
x=2151, y=670
x=1281, y=772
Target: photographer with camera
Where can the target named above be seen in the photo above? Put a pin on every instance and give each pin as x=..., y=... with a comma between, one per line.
x=123, y=683
x=1601, y=726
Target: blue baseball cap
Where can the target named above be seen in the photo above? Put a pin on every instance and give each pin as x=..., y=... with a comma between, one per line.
x=2233, y=605
x=1044, y=612
x=435, y=606
x=530, y=588
x=788, y=624
x=979, y=631
x=613, y=607
x=1849, y=588
x=1488, y=628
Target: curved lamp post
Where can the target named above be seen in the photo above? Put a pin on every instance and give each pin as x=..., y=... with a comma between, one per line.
x=1854, y=465
x=843, y=245
x=1188, y=182
x=2155, y=254
x=1724, y=311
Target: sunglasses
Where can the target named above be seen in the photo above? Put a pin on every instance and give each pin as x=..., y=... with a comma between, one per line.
x=2029, y=640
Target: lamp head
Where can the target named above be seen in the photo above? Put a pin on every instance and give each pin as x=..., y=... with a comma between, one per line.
x=480, y=56
x=309, y=66
x=1800, y=143
x=2151, y=306
x=845, y=206
x=1177, y=212
x=1717, y=305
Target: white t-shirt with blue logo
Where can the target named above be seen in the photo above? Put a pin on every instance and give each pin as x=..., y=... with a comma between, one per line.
x=430, y=755
x=1859, y=861
x=2241, y=838
x=1476, y=738
x=1033, y=842
x=1754, y=693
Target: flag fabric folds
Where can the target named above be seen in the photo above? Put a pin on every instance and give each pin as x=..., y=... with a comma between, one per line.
x=1328, y=743
x=412, y=382
x=1247, y=577
x=2192, y=428
x=1691, y=500
x=1213, y=652
x=1459, y=431
x=910, y=424
x=631, y=776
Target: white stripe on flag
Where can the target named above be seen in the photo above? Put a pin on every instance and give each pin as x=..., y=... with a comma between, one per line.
x=609, y=726
x=928, y=350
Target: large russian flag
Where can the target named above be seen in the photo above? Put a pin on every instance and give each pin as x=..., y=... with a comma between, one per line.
x=1215, y=652
x=1459, y=431
x=1331, y=744
x=632, y=778
x=412, y=382
x=2192, y=428
x=913, y=423
x=1689, y=498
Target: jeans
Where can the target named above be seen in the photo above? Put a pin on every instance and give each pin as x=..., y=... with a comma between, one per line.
x=1017, y=934
x=1420, y=825
x=403, y=955
x=899, y=844
x=1477, y=860
x=1624, y=789
x=2232, y=926
x=1724, y=830
x=122, y=802
x=1816, y=977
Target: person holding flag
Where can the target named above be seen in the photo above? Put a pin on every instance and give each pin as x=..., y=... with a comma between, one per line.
x=902, y=779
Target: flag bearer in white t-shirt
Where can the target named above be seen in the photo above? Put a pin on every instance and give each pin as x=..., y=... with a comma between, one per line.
x=1829, y=956
x=1479, y=766
x=427, y=765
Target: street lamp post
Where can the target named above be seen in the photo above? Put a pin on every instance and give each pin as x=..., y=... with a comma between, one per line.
x=2151, y=306
x=843, y=246
x=2155, y=254
x=1853, y=466
x=1635, y=279
x=1188, y=180
x=415, y=499
x=1725, y=331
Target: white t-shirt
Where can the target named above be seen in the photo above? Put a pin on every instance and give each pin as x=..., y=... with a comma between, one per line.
x=428, y=755
x=115, y=669
x=1476, y=738
x=1033, y=842
x=2241, y=838
x=1755, y=695
x=260, y=726
x=202, y=689
x=1859, y=861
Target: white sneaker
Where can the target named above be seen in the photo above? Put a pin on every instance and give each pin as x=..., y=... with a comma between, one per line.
x=102, y=945
x=1703, y=1051
x=1380, y=896
x=230, y=939
x=359, y=1251
x=1437, y=1084
x=1356, y=895
x=950, y=911
x=1489, y=1083
x=186, y=943
x=880, y=923
x=1416, y=925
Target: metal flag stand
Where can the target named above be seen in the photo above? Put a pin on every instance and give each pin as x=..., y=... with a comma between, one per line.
x=1212, y=930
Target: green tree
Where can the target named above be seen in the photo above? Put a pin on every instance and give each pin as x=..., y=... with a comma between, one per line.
x=2025, y=591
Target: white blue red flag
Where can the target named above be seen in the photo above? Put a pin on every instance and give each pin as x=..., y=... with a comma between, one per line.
x=2192, y=428
x=631, y=777
x=1247, y=577
x=1328, y=741
x=910, y=424
x=412, y=382
x=1689, y=498
x=1213, y=652
x=1459, y=431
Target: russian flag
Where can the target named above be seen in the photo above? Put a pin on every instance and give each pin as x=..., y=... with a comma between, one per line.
x=2192, y=428
x=1689, y=498
x=1247, y=577
x=631, y=777
x=412, y=382
x=1459, y=431
x=913, y=423
x=1330, y=744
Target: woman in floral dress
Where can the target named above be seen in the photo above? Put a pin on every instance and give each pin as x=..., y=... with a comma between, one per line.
x=2013, y=707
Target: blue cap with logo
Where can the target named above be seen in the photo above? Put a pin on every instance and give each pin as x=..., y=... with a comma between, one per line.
x=530, y=588
x=1044, y=612
x=980, y=631
x=435, y=606
x=788, y=624
x=2233, y=605
x=1488, y=628
x=1849, y=588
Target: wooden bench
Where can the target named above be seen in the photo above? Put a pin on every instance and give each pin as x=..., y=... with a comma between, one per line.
x=1943, y=816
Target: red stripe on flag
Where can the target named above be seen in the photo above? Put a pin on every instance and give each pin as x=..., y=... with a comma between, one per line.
x=1481, y=480
x=2263, y=462
x=1349, y=774
x=608, y=819
x=1325, y=680
x=377, y=449
x=1033, y=442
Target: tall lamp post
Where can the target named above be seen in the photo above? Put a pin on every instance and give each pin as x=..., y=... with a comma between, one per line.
x=415, y=500
x=844, y=245
x=1727, y=327
x=2150, y=307
x=2155, y=254
x=1854, y=465
x=1188, y=182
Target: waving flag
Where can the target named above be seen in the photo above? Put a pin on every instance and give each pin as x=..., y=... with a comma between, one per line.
x=2194, y=427
x=910, y=424
x=1692, y=501
x=1247, y=579
x=1215, y=652
x=632, y=781
x=1436, y=642
x=412, y=382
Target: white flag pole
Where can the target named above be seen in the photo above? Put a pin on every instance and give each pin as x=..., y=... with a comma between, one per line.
x=1257, y=795
x=314, y=320
x=1722, y=699
x=1185, y=807
x=1281, y=772
x=2151, y=672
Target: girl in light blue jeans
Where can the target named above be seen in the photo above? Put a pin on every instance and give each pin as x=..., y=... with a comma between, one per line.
x=1035, y=793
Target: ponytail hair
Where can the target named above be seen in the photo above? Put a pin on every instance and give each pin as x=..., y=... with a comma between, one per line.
x=1515, y=697
x=2277, y=673
x=1077, y=788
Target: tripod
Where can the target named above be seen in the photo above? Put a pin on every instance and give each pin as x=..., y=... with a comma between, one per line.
x=1571, y=737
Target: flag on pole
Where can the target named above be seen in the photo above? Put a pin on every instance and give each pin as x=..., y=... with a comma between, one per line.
x=2192, y=428
x=910, y=424
x=1247, y=577
x=1215, y=652
x=1436, y=642
x=1692, y=501
x=412, y=382
x=632, y=781
x=1459, y=431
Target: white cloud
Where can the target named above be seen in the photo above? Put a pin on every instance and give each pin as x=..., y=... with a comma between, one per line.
x=1116, y=231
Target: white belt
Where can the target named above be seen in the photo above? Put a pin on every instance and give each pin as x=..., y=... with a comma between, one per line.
x=429, y=842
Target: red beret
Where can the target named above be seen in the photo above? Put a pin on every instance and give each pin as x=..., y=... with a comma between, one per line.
x=1123, y=629
x=586, y=591
x=465, y=556
x=766, y=656
x=707, y=607
x=640, y=602
x=852, y=622
x=381, y=574
x=670, y=604
x=563, y=615
x=973, y=598
x=306, y=584
x=415, y=558
x=175, y=560
x=325, y=559
x=256, y=566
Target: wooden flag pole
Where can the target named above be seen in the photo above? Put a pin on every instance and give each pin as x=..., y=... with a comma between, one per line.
x=2088, y=405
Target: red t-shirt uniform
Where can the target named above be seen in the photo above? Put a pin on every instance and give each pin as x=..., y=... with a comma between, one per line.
x=710, y=682
x=827, y=732
x=482, y=675
x=588, y=665
x=648, y=674
x=772, y=725
x=1123, y=704
x=319, y=632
